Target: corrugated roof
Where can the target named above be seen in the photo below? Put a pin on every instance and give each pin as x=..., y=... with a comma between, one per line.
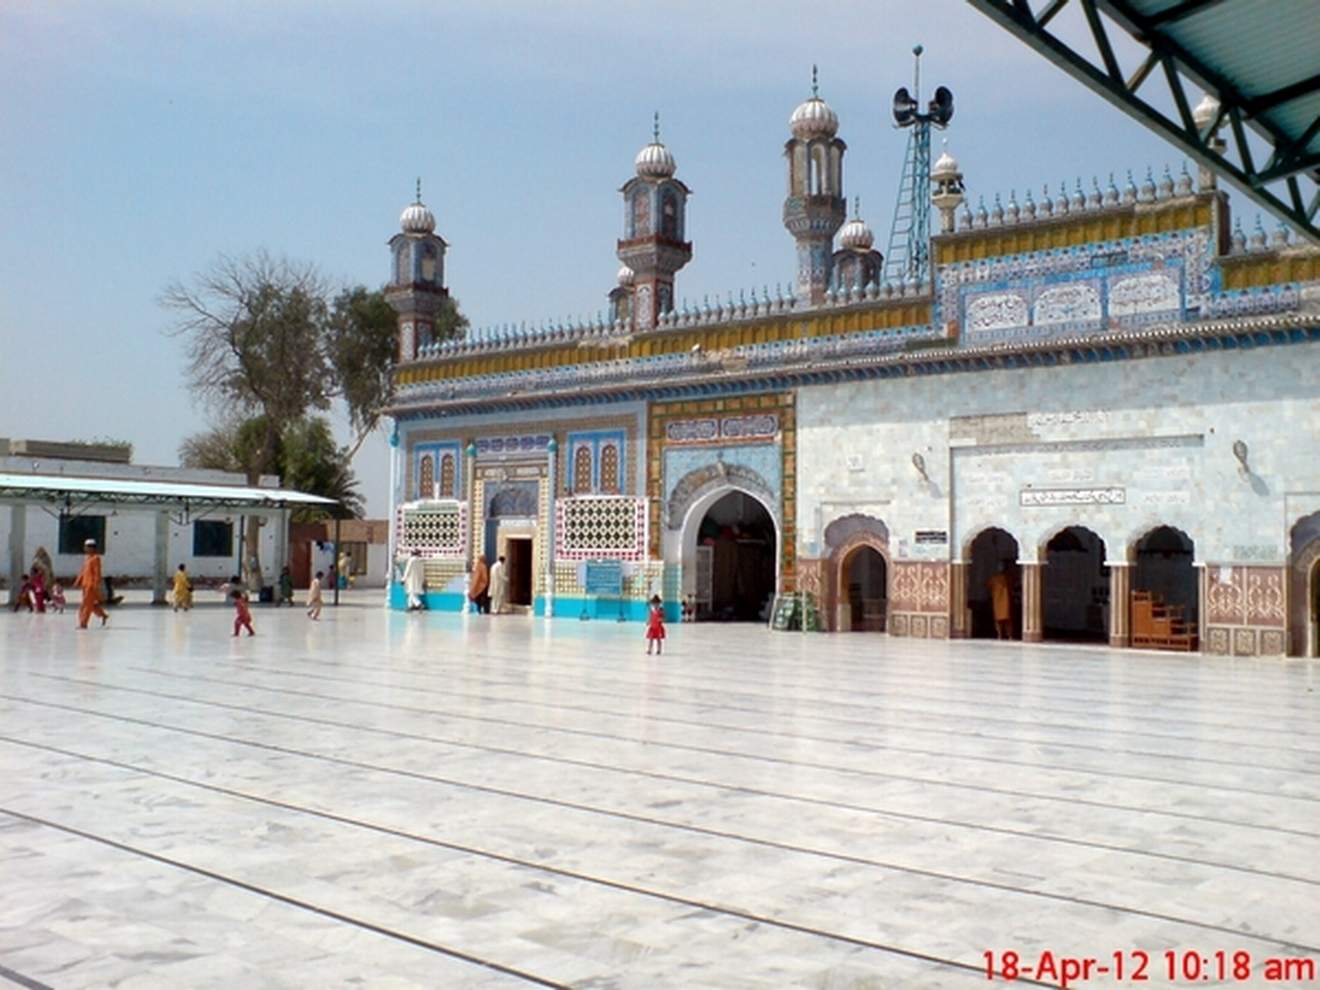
x=1260, y=59
x=56, y=487
x=1258, y=49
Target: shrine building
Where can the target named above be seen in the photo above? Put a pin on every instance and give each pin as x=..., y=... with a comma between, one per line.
x=1110, y=396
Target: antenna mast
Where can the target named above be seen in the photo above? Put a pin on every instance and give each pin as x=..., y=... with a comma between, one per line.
x=908, y=256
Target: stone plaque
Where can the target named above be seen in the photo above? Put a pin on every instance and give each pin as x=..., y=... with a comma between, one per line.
x=1034, y=497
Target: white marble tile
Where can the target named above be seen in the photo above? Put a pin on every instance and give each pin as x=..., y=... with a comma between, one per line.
x=544, y=798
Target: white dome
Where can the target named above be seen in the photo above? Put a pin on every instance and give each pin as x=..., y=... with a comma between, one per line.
x=1206, y=111
x=856, y=235
x=813, y=119
x=417, y=219
x=625, y=276
x=655, y=161
x=945, y=167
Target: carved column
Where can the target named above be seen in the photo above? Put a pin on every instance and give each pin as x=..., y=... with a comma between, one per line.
x=958, y=625
x=1032, y=631
x=552, y=458
x=1120, y=612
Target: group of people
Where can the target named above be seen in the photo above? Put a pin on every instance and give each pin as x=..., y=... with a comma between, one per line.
x=39, y=589
x=488, y=591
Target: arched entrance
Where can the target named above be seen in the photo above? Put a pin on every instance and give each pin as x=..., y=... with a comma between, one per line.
x=1304, y=587
x=1075, y=587
x=993, y=573
x=1165, y=593
x=736, y=546
x=866, y=589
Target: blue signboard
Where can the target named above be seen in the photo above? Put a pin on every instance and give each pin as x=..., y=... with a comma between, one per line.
x=604, y=577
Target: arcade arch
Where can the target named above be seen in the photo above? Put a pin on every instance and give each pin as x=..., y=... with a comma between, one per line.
x=1075, y=587
x=1304, y=587
x=856, y=592
x=994, y=581
x=1165, y=598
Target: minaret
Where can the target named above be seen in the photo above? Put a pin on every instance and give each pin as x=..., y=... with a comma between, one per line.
x=815, y=207
x=653, y=248
x=947, y=189
x=417, y=283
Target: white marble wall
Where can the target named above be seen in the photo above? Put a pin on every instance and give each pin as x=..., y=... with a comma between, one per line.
x=130, y=538
x=1156, y=433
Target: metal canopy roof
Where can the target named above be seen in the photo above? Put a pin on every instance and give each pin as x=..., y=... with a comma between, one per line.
x=1260, y=60
x=164, y=494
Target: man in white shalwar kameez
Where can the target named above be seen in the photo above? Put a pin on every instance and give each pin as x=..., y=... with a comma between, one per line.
x=499, y=587
x=414, y=581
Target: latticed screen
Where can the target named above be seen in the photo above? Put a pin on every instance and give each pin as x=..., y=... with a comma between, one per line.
x=435, y=532
x=602, y=527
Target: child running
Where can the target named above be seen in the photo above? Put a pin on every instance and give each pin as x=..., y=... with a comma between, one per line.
x=655, y=627
x=314, y=596
x=242, y=614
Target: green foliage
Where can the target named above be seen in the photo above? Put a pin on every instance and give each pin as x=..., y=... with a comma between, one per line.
x=362, y=342
x=312, y=462
x=304, y=455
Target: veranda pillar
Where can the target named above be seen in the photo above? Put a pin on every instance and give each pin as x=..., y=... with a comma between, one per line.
x=1120, y=593
x=1032, y=626
x=958, y=625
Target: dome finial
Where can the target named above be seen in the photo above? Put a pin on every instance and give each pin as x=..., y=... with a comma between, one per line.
x=419, y=189
x=655, y=127
x=857, y=207
x=815, y=86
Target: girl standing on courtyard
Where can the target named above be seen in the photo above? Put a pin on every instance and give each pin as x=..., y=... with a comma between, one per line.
x=655, y=627
x=242, y=614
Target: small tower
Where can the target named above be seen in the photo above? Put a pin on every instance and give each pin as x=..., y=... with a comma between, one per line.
x=947, y=191
x=857, y=264
x=621, y=297
x=815, y=207
x=417, y=282
x=655, y=223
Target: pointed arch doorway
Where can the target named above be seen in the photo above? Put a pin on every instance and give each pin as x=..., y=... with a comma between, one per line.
x=866, y=589
x=732, y=542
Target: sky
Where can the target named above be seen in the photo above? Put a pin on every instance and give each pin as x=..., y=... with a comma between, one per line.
x=139, y=141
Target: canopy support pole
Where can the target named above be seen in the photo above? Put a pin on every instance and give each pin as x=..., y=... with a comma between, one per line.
x=17, y=542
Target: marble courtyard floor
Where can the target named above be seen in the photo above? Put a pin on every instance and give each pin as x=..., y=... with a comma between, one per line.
x=388, y=801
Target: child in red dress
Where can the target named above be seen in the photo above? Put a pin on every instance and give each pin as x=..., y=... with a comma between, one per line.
x=242, y=614
x=655, y=627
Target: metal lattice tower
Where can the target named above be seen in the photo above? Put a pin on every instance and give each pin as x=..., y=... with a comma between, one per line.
x=908, y=257
x=909, y=236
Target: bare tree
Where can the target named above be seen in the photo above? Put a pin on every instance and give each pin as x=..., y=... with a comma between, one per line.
x=255, y=329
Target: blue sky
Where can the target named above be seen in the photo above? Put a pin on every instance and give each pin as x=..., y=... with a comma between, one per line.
x=139, y=140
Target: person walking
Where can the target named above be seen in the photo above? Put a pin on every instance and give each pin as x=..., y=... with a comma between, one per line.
x=89, y=579
x=314, y=601
x=414, y=581
x=479, y=589
x=655, y=627
x=242, y=614
x=1001, y=602
x=286, y=587
x=182, y=589
x=499, y=586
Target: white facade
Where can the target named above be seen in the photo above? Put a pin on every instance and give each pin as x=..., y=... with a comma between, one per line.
x=1118, y=447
